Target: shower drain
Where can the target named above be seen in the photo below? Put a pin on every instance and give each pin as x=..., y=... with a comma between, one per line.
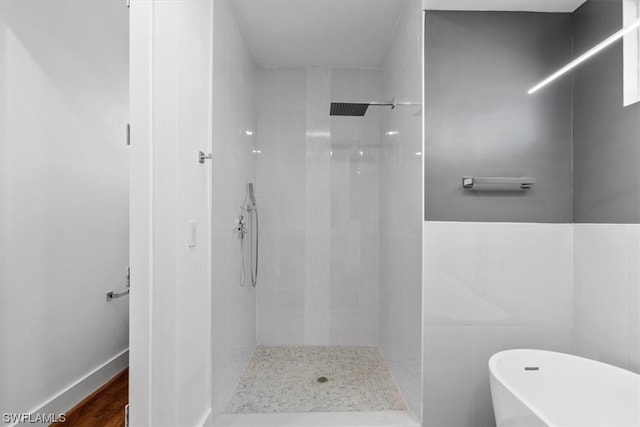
x=322, y=379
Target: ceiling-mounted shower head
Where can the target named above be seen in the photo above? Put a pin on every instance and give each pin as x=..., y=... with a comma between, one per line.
x=348, y=109
x=356, y=109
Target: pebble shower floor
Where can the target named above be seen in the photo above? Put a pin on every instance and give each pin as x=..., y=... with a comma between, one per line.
x=289, y=379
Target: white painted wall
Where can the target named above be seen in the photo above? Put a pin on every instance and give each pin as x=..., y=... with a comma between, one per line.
x=63, y=198
x=319, y=218
x=489, y=287
x=607, y=293
x=401, y=209
x=171, y=87
x=234, y=133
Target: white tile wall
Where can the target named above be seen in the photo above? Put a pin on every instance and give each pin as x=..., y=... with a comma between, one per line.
x=317, y=263
x=280, y=184
x=498, y=274
x=607, y=294
x=494, y=286
x=448, y=376
x=401, y=209
x=319, y=208
x=489, y=287
x=234, y=318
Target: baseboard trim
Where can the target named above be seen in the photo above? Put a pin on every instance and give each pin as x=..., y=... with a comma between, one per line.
x=78, y=391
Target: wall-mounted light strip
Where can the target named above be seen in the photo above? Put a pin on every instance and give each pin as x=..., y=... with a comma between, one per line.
x=588, y=54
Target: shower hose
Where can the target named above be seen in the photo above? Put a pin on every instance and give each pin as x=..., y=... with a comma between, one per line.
x=253, y=213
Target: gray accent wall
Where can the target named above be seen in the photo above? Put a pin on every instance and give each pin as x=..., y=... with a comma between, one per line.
x=480, y=120
x=606, y=134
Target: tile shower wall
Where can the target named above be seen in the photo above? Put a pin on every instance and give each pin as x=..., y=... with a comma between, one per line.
x=489, y=287
x=401, y=209
x=234, y=319
x=317, y=189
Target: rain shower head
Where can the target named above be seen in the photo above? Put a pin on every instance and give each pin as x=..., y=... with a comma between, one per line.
x=348, y=109
x=357, y=109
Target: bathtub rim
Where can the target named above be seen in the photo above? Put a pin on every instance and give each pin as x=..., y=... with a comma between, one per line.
x=494, y=372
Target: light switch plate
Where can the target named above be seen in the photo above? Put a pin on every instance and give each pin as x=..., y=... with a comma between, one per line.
x=193, y=232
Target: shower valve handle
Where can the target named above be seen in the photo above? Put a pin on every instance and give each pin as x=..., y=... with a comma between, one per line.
x=240, y=227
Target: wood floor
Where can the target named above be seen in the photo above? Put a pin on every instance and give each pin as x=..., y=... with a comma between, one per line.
x=103, y=408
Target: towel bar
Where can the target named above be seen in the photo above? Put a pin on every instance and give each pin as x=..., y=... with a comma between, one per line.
x=525, y=183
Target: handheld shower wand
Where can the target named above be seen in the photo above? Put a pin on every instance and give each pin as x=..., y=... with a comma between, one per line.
x=252, y=195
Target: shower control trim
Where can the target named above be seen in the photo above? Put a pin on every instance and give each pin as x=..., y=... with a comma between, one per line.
x=202, y=157
x=240, y=227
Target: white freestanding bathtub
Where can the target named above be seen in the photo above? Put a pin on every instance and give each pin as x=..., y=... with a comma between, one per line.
x=532, y=388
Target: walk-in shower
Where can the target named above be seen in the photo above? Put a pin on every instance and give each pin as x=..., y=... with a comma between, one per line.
x=333, y=327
